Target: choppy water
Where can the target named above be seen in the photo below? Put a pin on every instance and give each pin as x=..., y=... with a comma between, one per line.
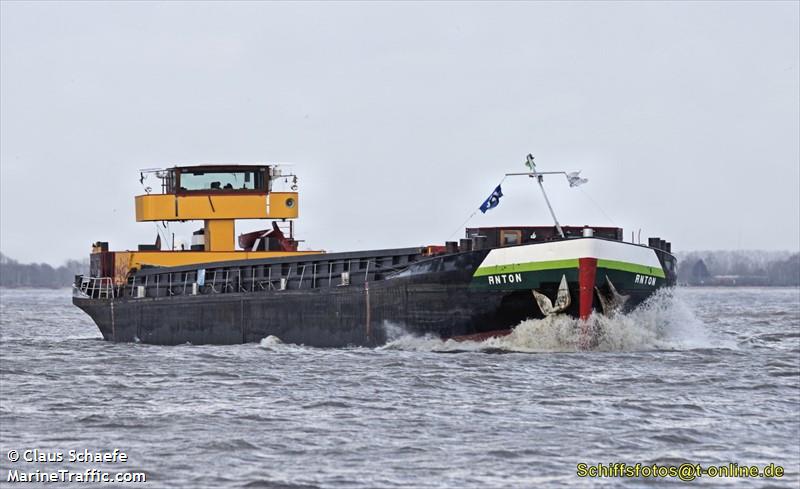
x=711, y=376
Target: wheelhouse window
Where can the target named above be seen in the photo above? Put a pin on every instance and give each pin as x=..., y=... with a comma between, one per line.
x=510, y=237
x=221, y=180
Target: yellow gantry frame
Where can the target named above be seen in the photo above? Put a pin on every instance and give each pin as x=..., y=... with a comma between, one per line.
x=210, y=206
x=218, y=210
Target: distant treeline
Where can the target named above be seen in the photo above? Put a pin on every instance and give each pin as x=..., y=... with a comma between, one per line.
x=774, y=268
x=15, y=274
x=694, y=268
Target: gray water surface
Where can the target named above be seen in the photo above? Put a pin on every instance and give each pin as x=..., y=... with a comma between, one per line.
x=709, y=376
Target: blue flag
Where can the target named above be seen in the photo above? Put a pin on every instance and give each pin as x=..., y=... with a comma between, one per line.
x=493, y=200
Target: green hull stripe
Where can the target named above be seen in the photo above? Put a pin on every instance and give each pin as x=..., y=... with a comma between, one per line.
x=573, y=263
x=631, y=267
x=534, y=266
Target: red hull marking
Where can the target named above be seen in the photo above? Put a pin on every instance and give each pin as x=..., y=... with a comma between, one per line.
x=482, y=336
x=587, y=269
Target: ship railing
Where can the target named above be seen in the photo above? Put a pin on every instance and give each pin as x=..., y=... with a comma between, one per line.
x=94, y=287
x=224, y=280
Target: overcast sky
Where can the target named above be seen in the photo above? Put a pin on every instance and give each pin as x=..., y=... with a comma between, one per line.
x=401, y=118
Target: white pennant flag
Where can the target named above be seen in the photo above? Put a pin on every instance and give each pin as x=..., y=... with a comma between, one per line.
x=574, y=179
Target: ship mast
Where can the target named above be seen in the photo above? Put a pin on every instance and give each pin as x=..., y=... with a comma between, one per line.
x=539, y=179
x=573, y=178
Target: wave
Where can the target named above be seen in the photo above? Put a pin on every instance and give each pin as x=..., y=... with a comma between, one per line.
x=274, y=344
x=664, y=322
x=270, y=342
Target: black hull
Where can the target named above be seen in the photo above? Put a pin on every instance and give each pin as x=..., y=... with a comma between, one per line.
x=322, y=317
x=337, y=317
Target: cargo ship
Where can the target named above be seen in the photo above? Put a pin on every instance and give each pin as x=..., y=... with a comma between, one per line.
x=213, y=292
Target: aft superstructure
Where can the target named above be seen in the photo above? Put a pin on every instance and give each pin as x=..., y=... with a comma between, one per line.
x=217, y=195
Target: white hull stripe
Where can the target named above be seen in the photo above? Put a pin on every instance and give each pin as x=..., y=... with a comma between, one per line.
x=614, y=255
